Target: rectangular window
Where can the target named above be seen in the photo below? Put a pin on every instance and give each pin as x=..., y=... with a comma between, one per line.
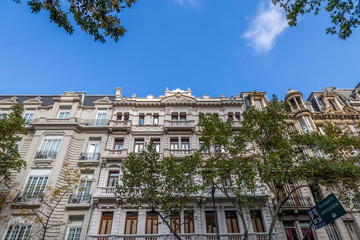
x=139, y=145
x=303, y=125
x=258, y=105
x=106, y=223
x=304, y=227
x=28, y=116
x=174, y=118
x=151, y=223
x=100, y=117
x=230, y=115
x=119, y=144
x=74, y=230
x=185, y=144
x=354, y=130
x=157, y=145
x=83, y=191
x=93, y=150
x=113, y=179
x=156, y=120
x=126, y=117
x=332, y=231
x=175, y=222
x=119, y=117
x=174, y=143
x=64, y=113
x=256, y=220
x=290, y=231
x=237, y=116
x=49, y=147
x=131, y=223
x=18, y=232
x=231, y=222
x=4, y=112
x=35, y=183
x=141, y=119
x=309, y=124
x=227, y=180
x=183, y=119
x=189, y=222
x=210, y=222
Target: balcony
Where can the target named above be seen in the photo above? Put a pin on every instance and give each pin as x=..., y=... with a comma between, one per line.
x=184, y=236
x=236, y=124
x=178, y=154
x=260, y=191
x=23, y=201
x=105, y=192
x=89, y=159
x=45, y=157
x=93, y=122
x=179, y=126
x=79, y=202
x=297, y=203
x=120, y=125
x=115, y=154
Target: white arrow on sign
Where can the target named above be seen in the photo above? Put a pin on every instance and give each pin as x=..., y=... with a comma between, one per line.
x=334, y=215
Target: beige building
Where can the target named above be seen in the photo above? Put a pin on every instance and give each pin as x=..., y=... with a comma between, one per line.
x=96, y=132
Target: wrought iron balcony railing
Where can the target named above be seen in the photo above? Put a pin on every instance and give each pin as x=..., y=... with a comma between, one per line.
x=46, y=155
x=89, y=156
x=79, y=199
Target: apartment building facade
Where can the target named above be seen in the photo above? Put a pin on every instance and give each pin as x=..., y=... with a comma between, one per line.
x=95, y=133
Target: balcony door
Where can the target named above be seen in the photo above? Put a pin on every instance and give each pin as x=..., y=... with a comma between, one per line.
x=106, y=223
x=210, y=222
x=151, y=223
x=93, y=149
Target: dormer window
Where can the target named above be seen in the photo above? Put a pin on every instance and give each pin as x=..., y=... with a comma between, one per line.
x=333, y=105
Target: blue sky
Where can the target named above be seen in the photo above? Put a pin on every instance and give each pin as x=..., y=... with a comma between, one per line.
x=212, y=47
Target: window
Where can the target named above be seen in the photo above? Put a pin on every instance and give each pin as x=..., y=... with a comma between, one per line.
x=227, y=180
x=64, y=113
x=304, y=227
x=36, y=183
x=28, y=116
x=189, y=222
x=156, y=120
x=156, y=145
x=74, y=230
x=308, y=122
x=93, y=150
x=119, y=144
x=256, y=221
x=106, y=223
x=83, y=192
x=332, y=104
x=175, y=222
x=141, y=119
x=174, y=143
x=18, y=230
x=151, y=223
x=49, y=147
x=258, y=105
x=126, y=117
x=113, y=179
x=100, y=117
x=131, y=223
x=139, y=145
x=354, y=130
x=119, y=117
x=290, y=231
x=231, y=222
x=178, y=119
x=210, y=222
x=185, y=145
x=4, y=112
x=182, y=119
x=332, y=231
x=303, y=125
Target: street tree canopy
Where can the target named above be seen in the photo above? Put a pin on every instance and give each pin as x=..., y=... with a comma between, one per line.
x=98, y=18
x=344, y=14
x=11, y=125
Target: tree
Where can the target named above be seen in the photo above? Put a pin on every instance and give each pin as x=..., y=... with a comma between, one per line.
x=285, y=157
x=98, y=18
x=11, y=125
x=49, y=199
x=162, y=185
x=344, y=14
x=226, y=165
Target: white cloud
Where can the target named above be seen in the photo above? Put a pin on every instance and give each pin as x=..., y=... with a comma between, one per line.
x=188, y=3
x=265, y=27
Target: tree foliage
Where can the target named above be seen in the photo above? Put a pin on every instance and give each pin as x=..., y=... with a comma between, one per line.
x=285, y=157
x=11, y=126
x=344, y=14
x=225, y=164
x=164, y=186
x=98, y=18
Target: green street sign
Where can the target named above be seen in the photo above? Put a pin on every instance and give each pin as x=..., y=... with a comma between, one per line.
x=326, y=211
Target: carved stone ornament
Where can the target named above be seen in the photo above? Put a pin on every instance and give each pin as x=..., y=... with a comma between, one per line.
x=178, y=98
